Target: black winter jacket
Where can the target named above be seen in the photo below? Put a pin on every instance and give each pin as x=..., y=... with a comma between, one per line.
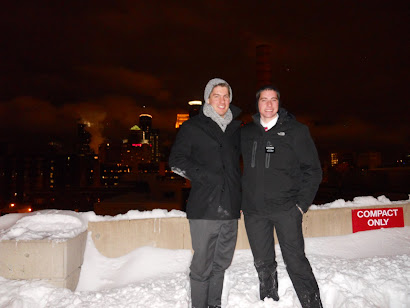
x=281, y=166
x=209, y=158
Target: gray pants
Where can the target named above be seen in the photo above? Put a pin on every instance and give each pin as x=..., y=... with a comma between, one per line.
x=213, y=242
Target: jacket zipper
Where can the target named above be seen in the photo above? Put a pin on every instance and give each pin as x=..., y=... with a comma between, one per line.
x=255, y=144
x=267, y=156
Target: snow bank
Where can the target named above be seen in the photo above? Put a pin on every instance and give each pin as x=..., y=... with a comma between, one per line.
x=135, y=214
x=357, y=202
x=56, y=225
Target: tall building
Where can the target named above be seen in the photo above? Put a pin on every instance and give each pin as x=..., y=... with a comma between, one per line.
x=181, y=118
x=334, y=159
x=135, y=136
x=145, y=123
x=142, y=145
x=154, y=142
x=194, y=107
x=193, y=110
x=83, y=139
x=263, y=65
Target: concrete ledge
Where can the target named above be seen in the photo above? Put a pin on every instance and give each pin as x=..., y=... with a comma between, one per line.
x=117, y=238
x=338, y=221
x=57, y=262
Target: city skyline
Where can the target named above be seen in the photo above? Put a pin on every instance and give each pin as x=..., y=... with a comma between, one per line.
x=342, y=68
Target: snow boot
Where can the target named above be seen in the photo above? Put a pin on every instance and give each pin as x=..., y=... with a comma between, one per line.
x=268, y=282
x=311, y=300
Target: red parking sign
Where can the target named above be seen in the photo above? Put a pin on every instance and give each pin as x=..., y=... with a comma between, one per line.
x=370, y=219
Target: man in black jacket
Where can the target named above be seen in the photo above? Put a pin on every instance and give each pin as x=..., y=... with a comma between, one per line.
x=281, y=176
x=207, y=152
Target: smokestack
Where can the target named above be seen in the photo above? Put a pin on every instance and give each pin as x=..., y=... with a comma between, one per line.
x=263, y=65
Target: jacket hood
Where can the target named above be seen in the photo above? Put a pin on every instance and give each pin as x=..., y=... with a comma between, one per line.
x=236, y=111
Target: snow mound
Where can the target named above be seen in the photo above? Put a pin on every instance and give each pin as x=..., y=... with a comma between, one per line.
x=54, y=225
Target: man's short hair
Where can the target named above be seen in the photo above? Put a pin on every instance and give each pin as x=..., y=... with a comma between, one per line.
x=264, y=88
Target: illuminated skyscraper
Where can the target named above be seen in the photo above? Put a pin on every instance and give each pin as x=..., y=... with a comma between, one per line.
x=334, y=160
x=146, y=122
x=142, y=145
x=154, y=142
x=135, y=135
x=194, y=107
x=181, y=118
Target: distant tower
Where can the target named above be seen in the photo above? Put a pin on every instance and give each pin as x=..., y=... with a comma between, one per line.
x=145, y=122
x=135, y=135
x=263, y=65
x=154, y=142
x=193, y=110
x=194, y=107
x=83, y=139
x=181, y=118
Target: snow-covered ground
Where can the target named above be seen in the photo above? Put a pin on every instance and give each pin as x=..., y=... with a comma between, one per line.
x=364, y=269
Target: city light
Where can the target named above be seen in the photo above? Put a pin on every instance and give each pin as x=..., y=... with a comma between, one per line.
x=195, y=103
x=145, y=115
x=181, y=118
x=334, y=160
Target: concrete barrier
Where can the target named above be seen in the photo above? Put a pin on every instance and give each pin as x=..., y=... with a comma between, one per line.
x=117, y=238
x=338, y=221
x=59, y=263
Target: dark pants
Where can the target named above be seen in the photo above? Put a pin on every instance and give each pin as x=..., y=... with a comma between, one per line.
x=288, y=225
x=213, y=242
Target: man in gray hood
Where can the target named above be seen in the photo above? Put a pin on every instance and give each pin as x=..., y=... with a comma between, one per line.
x=207, y=151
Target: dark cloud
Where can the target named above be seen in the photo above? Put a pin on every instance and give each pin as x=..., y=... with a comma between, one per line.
x=120, y=80
x=30, y=124
x=355, y=133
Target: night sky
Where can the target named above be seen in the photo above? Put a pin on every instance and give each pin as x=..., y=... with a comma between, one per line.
x=342, y=66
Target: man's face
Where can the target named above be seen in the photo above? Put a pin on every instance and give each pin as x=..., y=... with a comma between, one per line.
x=219, y=100
x=268, y=105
